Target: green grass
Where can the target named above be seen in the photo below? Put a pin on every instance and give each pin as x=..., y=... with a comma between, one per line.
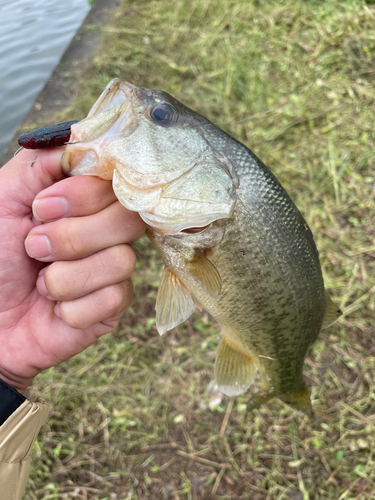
x=132, y=416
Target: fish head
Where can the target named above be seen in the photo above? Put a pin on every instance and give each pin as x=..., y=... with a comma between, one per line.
x=153, y=148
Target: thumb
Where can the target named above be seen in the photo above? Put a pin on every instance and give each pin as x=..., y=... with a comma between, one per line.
x=29, y=172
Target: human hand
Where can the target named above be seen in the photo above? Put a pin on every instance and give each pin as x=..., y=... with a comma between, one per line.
x=49, y=313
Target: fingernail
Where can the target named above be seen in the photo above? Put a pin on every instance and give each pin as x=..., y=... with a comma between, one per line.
x=56, y=310
x=41, y=286
x=50, y=208
x=38, y=246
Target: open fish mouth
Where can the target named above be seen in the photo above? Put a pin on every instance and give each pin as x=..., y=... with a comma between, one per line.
x=110, y=117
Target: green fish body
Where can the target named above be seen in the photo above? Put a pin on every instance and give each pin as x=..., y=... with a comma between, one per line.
x=231, y=238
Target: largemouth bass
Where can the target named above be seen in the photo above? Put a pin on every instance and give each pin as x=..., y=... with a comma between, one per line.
x=231, y=238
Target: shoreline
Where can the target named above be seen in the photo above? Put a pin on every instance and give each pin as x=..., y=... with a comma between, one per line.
x=56, y=94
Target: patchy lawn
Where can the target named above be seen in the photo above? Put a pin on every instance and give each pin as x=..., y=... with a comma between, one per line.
x=136, y=416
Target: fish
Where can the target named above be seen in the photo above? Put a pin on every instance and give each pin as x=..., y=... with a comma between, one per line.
x=232, y=240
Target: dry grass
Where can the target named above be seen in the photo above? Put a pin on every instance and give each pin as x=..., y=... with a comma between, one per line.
x=135, y=416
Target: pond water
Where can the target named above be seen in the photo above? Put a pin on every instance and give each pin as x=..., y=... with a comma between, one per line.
x=33, y=36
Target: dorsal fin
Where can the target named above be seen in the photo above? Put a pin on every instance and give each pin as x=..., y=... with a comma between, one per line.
x=205, y=273
x=174, y=303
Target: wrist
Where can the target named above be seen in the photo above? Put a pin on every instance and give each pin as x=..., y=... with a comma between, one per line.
x=18, y=383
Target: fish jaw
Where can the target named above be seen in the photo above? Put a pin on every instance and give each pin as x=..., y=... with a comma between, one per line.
x=110, y=117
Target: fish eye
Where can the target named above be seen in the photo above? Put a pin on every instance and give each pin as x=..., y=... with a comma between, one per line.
x=163, y=114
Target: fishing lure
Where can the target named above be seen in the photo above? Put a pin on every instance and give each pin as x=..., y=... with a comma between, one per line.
x=46, y=137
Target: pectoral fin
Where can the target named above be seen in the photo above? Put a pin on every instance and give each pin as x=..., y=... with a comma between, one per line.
x=205, y=273
x=332, y=312
x=174, y=303
x=234, y=371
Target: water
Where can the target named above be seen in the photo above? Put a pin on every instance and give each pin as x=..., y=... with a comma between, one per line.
x=33, y=36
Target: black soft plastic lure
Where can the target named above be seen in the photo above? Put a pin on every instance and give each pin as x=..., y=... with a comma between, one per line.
x=46, y=137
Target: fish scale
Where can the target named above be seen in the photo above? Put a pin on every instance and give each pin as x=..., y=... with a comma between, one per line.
x=231, y=238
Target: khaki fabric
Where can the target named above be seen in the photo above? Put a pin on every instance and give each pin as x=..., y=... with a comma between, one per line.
x=17, y=436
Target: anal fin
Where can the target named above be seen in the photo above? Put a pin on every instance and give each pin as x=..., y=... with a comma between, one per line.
x=174, y=303
x=234, y=371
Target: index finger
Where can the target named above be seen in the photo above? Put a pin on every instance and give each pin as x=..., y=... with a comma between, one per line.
x=73, y=197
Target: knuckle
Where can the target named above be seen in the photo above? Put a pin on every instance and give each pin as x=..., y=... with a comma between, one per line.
x=71, y=245
x=106, y=306
x=115, y=298
x=123, y=259
x=130, y=222
x=112, y=323
x=69, y=316
x=120, y=297
x=54, y=282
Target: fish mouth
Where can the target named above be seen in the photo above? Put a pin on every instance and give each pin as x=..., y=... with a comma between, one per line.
x=194, y=230
x=115, y=93
x=110, y=117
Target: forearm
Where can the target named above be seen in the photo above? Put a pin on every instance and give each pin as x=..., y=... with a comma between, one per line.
x=21, y=421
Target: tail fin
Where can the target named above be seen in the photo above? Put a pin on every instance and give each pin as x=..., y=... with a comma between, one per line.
x=299, y=401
